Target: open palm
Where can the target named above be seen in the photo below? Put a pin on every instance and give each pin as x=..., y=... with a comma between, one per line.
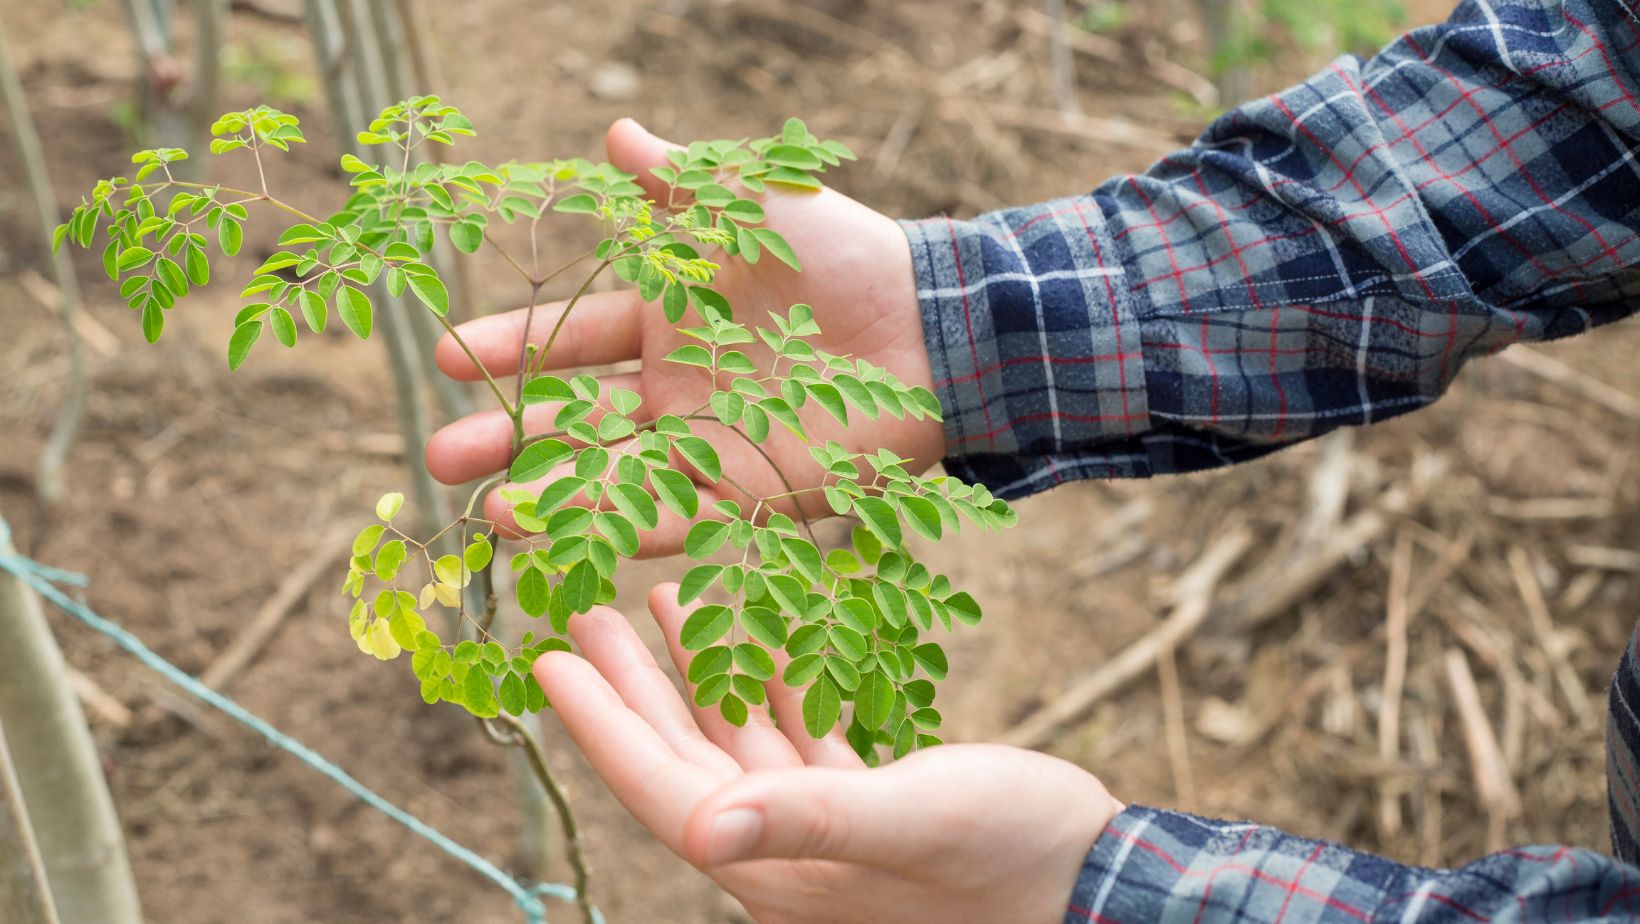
x=798, y=829
x=857, y=277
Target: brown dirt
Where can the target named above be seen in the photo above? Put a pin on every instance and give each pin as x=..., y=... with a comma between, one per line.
x=196, y=491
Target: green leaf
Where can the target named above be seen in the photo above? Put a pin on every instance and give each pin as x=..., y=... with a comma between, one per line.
x=581, y=204
x=467, y=236
x=923, y=516
x=803, y=669
x=580, y=586
x=478, y=696
x=747, y=211
x=313, y=309
x=879, y=516
x=431, y=291
x=284, y=326
x=873, y=700
x=229, y=235
x=543, y=389
x=827, y=396
x=733, y=709
x=153, y=320
x=132, y=257
x=676, y=491
x=198, y=267
x=775, y=244
x=822, y=706
x=354, y=308
x=171, y=276
x=636, y=503
x=691, y=354
x=534, y=593
x=389, y=559
x=365, y=542
x=848, y=642
x=754, y=661
x=478, y=554
x=791, y=176
x=791, y=155
x=239, y=345
x=932, y=658
x=705, y=626
x=764, y=625
x=701, y=455
x=389, y=506
x=709, y=663
x=512, y=696
x=705, y=537
x=697, y=581
x=302, y=234
x=537, y=459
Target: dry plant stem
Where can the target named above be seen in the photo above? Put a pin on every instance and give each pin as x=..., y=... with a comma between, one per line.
x=1178, y=740
x=1193, y=595
x=1395, y=673
x=1537, y=611
x=25, y=896
x=53, y=456
x=1492, y=782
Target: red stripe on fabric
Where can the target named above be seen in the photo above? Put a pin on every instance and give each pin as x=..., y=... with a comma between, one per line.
x=967, y=319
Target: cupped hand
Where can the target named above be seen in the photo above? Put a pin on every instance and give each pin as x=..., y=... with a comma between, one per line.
x=798, y=829
x=857, y=276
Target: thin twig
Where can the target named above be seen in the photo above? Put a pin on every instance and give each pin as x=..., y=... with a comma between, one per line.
x=1396, y=617
x=1193, y=593
x=1496, y=790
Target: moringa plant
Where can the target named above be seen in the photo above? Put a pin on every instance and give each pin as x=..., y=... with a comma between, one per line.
x=851, y=623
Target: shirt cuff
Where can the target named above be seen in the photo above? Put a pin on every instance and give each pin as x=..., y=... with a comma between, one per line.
x=1151, y=863
x=1034, y=345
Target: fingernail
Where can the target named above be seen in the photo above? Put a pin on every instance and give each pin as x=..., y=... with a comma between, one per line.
x=734, y=833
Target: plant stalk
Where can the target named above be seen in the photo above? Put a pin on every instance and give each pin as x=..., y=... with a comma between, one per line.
x=54, y=456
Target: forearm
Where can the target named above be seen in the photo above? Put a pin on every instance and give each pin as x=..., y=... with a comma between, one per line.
x=1330, y=255
x=1153, y=865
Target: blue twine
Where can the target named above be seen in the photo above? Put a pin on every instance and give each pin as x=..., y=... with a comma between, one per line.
x=43, y=578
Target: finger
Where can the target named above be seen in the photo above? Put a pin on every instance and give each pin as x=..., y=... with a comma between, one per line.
x=605, y=327
x=633, y=149
x=647, y=776
x=757, y=745
x=878, y=818
x=830, y=750
x=607, y=640
x=481, y=444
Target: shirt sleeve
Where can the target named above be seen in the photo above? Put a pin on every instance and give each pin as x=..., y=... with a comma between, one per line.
x=1153, y=865
x=1329, y=255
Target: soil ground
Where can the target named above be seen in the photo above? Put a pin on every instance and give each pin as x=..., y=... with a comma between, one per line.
x=197, y=491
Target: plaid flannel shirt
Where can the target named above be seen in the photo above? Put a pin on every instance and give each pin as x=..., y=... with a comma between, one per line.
x=1327, y=256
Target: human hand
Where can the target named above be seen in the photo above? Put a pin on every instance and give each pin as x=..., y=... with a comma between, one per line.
x=798, y=829
x=857, y=277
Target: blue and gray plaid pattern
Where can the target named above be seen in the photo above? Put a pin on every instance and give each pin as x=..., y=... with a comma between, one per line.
x=1153, y=865
x=1330, y=255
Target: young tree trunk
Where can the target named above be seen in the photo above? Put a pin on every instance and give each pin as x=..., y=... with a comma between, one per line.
x=58, y=768
x=25, y=898
x=53, y=484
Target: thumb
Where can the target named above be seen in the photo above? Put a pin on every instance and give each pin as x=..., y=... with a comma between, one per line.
x=633, y=149
x=821, y=813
